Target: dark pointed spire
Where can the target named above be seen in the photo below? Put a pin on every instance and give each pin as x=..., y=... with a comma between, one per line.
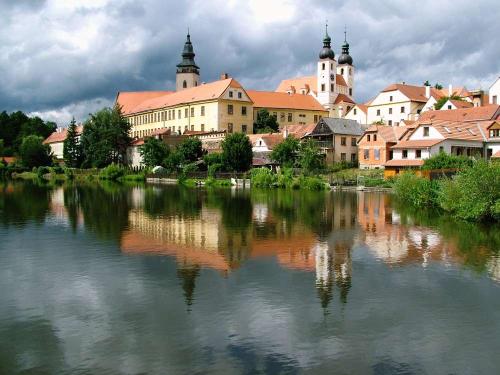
x=187, y=65
x=345, y=58
x=327, y=52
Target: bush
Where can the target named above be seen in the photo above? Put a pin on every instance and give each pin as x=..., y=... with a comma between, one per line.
x=237, y=152
x=415, y=190
x=263, y=177
x=33, y=153
x=41, y=171
x=311, y=183
x=112, y=172
x=446, y=161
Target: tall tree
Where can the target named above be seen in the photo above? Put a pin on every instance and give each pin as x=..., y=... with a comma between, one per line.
x=286, y=152
x=34, y=153
x=310, y=159
x=190, y=149
x=265, y=122
x=153, y=152
x=105, y=138
x=237, y=152
x=72, y=152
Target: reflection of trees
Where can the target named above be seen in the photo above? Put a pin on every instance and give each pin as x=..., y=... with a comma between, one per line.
x=72, y=204
x=172, y=200
x=187, y=274
x=24, y=201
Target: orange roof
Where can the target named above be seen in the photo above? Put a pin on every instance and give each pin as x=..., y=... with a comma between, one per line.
x=343, y=98
x=129, y=100
x=299, y=131
x=8, y=159
x=461, y=103
x=424, y=143
x=459, y=91
x=363, y=107
x=387, y=133
x=60, y=135
x=487, y=112
x=271, y=99
x=496, y=154
x=468, y=131
x=309, y=83
x=404, y=163
x=414, y=93
x=207, y=91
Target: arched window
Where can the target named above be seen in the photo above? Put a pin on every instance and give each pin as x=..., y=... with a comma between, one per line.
x=184, y=84
x=323, y=66
x=350, y=71
x=195, y=83
x=342, y=71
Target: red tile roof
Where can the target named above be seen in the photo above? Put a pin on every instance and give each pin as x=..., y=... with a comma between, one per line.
x=60, y=135
x=131, y=99
x=8, y=159
x=387, y=133
x=271, y=99
x=487, y=112
x=417, y=143
x=299, y=131
x=343, y=98
x=461, y=103
x=404, y=163
x=309, y=83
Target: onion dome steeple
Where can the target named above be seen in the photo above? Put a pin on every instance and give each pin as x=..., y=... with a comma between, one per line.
x=345, y=58
x=187, y=65
x=327, y=52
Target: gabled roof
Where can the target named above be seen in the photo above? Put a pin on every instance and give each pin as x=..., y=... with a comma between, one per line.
x=387, y=133
x=461, y=103
x=270, y=139
x=414, y=93
x=61, y=134
x=424, y=143
x=343, y=126
x=271, y=99
x=309, y=83
x=205, y=92
x=299, y=131
x=460, y=130
x=487, y=112
x=343, y=98
x=131, y=99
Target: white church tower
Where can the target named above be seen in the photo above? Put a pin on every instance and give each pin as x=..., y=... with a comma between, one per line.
x=188, y=73
x=327, y=69
x=345, y=67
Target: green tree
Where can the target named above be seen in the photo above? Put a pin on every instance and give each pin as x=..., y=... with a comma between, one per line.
x=237, y=152
x=33, y=153
x=438, y=86
x=286, y=152
x=427, y=83
x=105, y=138
x=2, y=148
x=439, y=104
x=72, y=152
x=190, y=149
x=310, y=158
x=153, y=152
x=265, y=122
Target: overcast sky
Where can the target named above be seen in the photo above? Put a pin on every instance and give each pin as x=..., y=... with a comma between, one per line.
x=63, y=58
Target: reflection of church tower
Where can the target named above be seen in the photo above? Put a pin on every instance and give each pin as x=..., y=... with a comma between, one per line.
x=188, y=73
x=188, y=274
x=324, y=274
x=343, y=271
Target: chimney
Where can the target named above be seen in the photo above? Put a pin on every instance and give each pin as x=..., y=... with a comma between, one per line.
x=450, y=89
x=224, y=76
x=427, y=92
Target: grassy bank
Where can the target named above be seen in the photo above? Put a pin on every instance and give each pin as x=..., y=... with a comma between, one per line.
x=265, y=178
x=473, y=194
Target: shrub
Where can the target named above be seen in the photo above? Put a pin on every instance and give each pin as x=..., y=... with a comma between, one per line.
x=263, y=177
x=311, y=183
x=446, y=161
x=33, y=153
x=41, y=171
x=112, y=172
x=415, y=190
x=237, y=152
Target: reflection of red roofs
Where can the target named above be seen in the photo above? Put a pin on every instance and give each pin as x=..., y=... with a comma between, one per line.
x=134, y=243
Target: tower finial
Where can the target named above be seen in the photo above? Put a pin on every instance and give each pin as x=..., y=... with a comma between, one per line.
x=188, y=30
x=345, y=33
x=326, y=27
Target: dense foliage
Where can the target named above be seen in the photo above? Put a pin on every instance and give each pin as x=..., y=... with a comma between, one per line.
x=33, y=153
x=446, y=161
x=105, y=138
x=265, y=122
x=17, y=125
x=265, y=178
x=439, y=104
x=153, y=152
x=237, y=152
x=72, y=150
x=286, y=152
x=310, y=158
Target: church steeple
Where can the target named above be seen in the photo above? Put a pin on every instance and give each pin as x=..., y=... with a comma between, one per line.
x=327, y=52
x=188, y=73
x=345, y=58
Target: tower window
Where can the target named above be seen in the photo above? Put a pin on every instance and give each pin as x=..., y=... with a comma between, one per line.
x=331, y=87
x=239, y=95
x=184, y=84
x=342, y=71
x=195, y=83
x=230, y=94
x=331, y=66
x=350, y=71
x=323, y=66
x=322, y=87
x=350, y=91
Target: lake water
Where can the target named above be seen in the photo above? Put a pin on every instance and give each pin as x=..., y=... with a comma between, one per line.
x=109, y=279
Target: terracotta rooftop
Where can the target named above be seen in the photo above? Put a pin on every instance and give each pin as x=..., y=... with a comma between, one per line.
x=131, y=99
x=309, y=83
x=343, y=98
x=387, y=133
x=60, y=135
x=461, y=103
x=299, y=131
x=414, y=93
x=404, y=163
x=271, y=99
x=417, y=143
x=487, y=112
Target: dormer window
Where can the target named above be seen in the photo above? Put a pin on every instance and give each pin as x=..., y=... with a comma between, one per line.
x=426, y=131
x=230, y=94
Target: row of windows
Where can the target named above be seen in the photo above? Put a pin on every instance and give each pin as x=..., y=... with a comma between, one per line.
x=402, y=110
x=376, y=154
x=494, y=133
x=150, y=118
x=289, y=117
x=343, y=157
x=343, y=141
x=180, y=129
x=230, y=110
x=371, y=136
x=231, y=94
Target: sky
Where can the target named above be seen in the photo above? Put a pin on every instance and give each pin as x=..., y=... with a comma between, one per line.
x=60, y=59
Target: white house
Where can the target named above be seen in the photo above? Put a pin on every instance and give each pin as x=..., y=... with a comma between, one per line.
x=494, y=92
x=456, y=104
x=358, y=113
x=57, y=138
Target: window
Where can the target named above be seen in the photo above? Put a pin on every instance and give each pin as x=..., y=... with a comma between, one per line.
x=376, y=154
x=350, y=91
x=418, y=111
x=323, y=66
x=426, y=131
x=374, y=137
x=494, y=100
x=366, y=154
x=418, y=154
x=290, y=117
x=353, y=141
x=342, y=71
x=244, y=111
x=350, y=71
x=170, y=115
x=331, y=66
x=331, y=87
x=343, y=156
x=322, y=87
x=203, y=110
x=355, y=111
x=494, y=133
x=368, y=137
x=230, y=109
x=185, y=128
x=405, y=154
x=192, y=127
x=192, y=111
x=390, y=111
x=378, y=112
x=243, y=128
x=230, y=94
x=390, y=123
x=353, y=157
x=315, y=118
x=441, y=149
x=184, y=85
x=390, y=98
x=449, y=106
x=186, y=112
x=202, y=127
x=239, y=95
x=229, y=128
x=402, y=109
x=282, y=116
x=343, y=141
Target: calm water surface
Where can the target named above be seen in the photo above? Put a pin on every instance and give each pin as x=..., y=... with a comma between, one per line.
x=107, y=279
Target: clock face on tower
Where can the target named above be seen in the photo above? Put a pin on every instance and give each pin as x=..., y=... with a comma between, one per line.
x=332, y=76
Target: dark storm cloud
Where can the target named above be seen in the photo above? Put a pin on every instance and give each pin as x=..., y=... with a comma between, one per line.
x=65, y=58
